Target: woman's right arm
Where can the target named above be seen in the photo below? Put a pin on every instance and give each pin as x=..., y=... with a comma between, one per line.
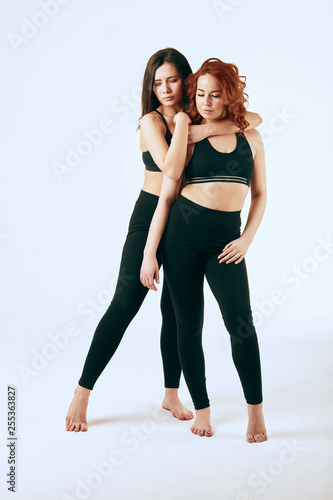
x=226, y=126
x=150, y=269
x=171, y=160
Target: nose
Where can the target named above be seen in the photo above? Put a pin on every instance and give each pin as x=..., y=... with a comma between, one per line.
x=207, y=100
x=166, y=88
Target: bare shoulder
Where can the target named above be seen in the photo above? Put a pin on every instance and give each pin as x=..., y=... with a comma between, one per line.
x=254, y=138
x=151, y=120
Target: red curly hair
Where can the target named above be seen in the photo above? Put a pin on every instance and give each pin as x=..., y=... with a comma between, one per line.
x=232, y=88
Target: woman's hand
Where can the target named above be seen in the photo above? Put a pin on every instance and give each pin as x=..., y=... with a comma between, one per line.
x=197, y=133
x=149, y=272
x=234, y=251
x=181, y=116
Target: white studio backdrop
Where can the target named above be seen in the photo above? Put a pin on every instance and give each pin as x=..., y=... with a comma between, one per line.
x=70, y=174
x=71, y=168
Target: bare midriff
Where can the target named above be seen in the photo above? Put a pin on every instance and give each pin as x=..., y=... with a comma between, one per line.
x=224, y=196
x=153, y=182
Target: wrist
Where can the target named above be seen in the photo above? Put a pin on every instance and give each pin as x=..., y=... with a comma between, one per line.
x=182, y=117
x=149, y=255
x=247, y=237
x=209, y=129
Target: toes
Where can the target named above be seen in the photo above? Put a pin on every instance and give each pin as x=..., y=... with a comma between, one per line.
x=262, y=438
x=182, y=416
x=84, y=427
x=250, y=438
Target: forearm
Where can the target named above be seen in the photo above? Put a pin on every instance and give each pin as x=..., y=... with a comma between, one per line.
x=174, y=162
x=256, y=213
x=227, y=126
x=157, y=227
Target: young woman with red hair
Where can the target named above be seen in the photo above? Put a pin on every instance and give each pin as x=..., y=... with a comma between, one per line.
x=203, y=238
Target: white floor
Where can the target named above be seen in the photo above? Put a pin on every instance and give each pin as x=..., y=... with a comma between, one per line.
x=135, y=450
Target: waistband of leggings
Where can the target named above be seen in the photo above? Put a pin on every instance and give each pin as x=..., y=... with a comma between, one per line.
x=210, y=212
x=147, y=199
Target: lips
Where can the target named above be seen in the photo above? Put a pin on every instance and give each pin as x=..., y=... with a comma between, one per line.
x=167, y=98
x=207, y=110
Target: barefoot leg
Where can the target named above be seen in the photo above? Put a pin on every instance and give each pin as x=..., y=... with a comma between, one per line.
x=172, y=403
x=256, y=431
x=201, y=426
x=76, y=419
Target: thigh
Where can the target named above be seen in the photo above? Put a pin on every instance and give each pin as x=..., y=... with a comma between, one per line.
x=229, y=284
x=129, y=287
x=184, y=275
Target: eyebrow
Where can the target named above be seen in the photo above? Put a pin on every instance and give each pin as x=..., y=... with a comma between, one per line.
x=212, y=92
x=160, y=79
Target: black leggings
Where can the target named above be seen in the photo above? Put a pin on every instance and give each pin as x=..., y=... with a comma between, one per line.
x=127, y=300
x=194, y=237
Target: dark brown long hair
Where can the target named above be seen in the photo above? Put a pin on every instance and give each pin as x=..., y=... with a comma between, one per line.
x=232, y=88
x=149, y=101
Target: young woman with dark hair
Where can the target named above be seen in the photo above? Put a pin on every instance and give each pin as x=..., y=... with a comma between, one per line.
x=203, y=238
x=163, y=119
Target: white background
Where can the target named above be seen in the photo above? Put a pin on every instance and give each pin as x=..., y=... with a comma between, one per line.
x=63, y=73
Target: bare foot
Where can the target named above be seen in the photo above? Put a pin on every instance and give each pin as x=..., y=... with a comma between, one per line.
x=76, y=419
x=172, y=403
x=201, y=425
x=256, y=430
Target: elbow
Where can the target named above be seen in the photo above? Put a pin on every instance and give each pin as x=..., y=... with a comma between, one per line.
x=259, y=196
x=175, y=176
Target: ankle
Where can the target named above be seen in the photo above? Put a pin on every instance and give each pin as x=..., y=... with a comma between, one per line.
x=203, y=411
x=82, y=392
x=254, y=409
x=171, y=392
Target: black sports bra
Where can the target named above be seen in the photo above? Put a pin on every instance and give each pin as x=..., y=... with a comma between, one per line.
x=147, y=158
x=209, y=165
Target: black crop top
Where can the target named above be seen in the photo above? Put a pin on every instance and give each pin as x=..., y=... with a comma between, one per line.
x=209, y=165
x=147, y=157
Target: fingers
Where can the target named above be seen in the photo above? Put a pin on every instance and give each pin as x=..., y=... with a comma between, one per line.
x=148, y=281
x=225, y=255
x=232, y=256
x=225, y=250
x=236, y=259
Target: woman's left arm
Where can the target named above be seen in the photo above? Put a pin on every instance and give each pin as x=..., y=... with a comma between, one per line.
x=235, y=250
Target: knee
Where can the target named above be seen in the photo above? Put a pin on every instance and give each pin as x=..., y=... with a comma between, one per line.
x=241, y=329
x=167, y=311
x=190, y=331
